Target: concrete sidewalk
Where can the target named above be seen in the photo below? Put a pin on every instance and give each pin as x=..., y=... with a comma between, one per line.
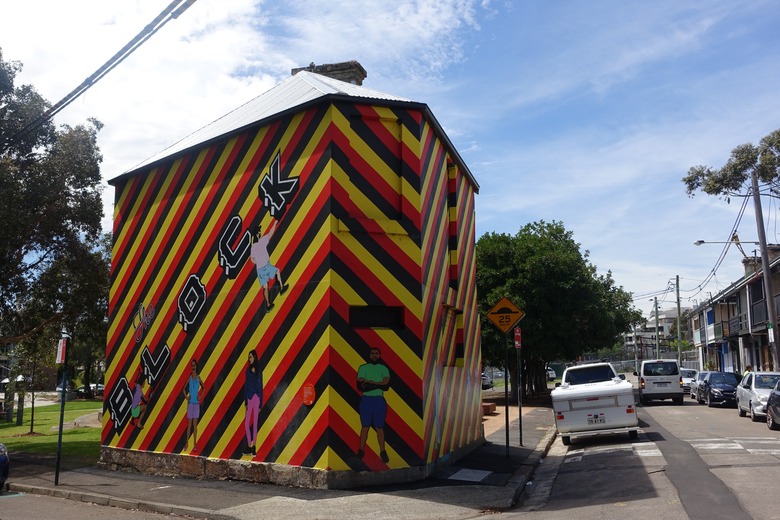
x=491, y=478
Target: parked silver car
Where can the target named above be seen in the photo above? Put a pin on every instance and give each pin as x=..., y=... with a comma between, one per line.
x=693, y=385
x=753, y=391
x=688, y=375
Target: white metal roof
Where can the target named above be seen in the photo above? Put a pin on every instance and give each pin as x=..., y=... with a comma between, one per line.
x=292, y=92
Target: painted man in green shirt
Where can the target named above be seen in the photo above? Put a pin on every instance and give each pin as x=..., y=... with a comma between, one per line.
x=372, y=379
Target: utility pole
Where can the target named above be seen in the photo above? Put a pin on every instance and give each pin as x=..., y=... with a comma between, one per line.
x=679, y=322
x=769, y=293
x=657, y=347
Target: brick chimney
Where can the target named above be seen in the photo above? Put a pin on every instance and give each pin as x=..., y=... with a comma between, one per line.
x=347, y=71
x=752, y=264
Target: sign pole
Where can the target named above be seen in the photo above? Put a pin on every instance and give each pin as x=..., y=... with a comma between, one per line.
x=506, y=398
x=519, y=384
x=62, y=357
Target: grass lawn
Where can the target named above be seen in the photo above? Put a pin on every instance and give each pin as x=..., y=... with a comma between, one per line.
x=79, y=445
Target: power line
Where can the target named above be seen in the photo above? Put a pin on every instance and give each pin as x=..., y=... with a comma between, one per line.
x=171, y=12
x=700, y=287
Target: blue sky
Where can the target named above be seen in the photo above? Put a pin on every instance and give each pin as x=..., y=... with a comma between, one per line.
x=589, y=113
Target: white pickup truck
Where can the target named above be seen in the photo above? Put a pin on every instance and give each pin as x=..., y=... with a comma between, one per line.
x=593, y=400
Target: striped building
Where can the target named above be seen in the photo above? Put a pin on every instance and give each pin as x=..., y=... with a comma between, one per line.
x=315, y=222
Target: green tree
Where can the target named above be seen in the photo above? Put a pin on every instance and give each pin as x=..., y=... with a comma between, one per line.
x=569, y=308
x=90, y=325
x=734, y=178
x=36, y=358
x=51, y=211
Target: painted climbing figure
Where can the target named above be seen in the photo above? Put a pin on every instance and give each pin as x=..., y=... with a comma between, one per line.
x=139, y=402
x=193, y=393
x=265, y=270
x=253, y=400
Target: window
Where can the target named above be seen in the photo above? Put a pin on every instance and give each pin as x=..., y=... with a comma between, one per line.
x=661, y=368
x=376, y=316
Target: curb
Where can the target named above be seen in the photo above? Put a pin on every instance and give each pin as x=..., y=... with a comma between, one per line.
x=124, y=503
x=522, y=477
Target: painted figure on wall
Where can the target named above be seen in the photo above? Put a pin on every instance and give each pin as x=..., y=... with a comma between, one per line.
x=193, y=393
x=139, y=402
x=265, y=270
x=373, y=379
x=253, y=400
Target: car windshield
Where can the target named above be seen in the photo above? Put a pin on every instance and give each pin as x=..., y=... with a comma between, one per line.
x=689, y=373
x=586, y=375
x=724, y=378
x=767, y=380
x=661, y=368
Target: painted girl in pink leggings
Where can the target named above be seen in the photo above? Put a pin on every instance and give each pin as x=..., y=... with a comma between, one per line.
x=253, y=399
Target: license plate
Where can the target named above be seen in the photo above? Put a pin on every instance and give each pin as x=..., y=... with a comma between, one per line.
x=597, y=420
x=661, y=384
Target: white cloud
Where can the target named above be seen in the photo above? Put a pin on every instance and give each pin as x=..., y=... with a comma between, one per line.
x=585, y=112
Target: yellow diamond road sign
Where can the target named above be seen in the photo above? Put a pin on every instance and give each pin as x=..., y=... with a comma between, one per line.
x=505, y=315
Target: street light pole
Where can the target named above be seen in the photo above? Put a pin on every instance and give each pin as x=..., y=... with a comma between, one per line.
x=769, y=294
x=657, y=348
x=679, y=322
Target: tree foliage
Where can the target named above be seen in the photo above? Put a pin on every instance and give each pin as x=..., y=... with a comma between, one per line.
x=734, y=177
x=51, y=211
x=569, y=308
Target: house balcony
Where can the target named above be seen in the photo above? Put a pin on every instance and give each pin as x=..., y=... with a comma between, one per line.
x=738, y=325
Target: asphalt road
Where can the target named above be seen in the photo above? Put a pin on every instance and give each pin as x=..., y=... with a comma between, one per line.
x=689, y=461
x=22, y=506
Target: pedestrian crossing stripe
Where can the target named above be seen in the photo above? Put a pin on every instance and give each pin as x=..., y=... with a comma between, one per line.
x=757, y=451
x=716, y=445
x=644, y=448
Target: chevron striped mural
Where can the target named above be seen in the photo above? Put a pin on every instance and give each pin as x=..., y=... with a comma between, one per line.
x=370, y=223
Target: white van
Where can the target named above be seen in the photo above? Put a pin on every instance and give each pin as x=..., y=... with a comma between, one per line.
x=660, y=379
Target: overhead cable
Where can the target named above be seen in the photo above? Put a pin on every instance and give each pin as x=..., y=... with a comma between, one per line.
x=172, y=11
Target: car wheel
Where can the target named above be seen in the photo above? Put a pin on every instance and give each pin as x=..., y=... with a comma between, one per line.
x=566, y=440
x=699, y=398
x=753, y=416
x=740, y=411
x=709, y=400
x=770, y=423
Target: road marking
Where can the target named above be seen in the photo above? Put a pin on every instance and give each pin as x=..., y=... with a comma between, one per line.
x=756, y=451
x=758, y=440
x=724, y=445
x=648, y=452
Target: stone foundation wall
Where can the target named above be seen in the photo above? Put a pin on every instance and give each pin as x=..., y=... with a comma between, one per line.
x=176, y=465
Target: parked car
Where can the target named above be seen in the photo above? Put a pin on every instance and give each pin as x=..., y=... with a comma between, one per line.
x=4, y=466
x=688, y=375
x=97, y=390
x=773, y=408
x=718, y=388
x=696, y=381
x=487, y=383
x=753, y=392
x=551, y=375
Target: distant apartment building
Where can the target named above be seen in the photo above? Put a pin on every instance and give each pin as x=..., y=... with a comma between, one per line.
x=642, y=342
